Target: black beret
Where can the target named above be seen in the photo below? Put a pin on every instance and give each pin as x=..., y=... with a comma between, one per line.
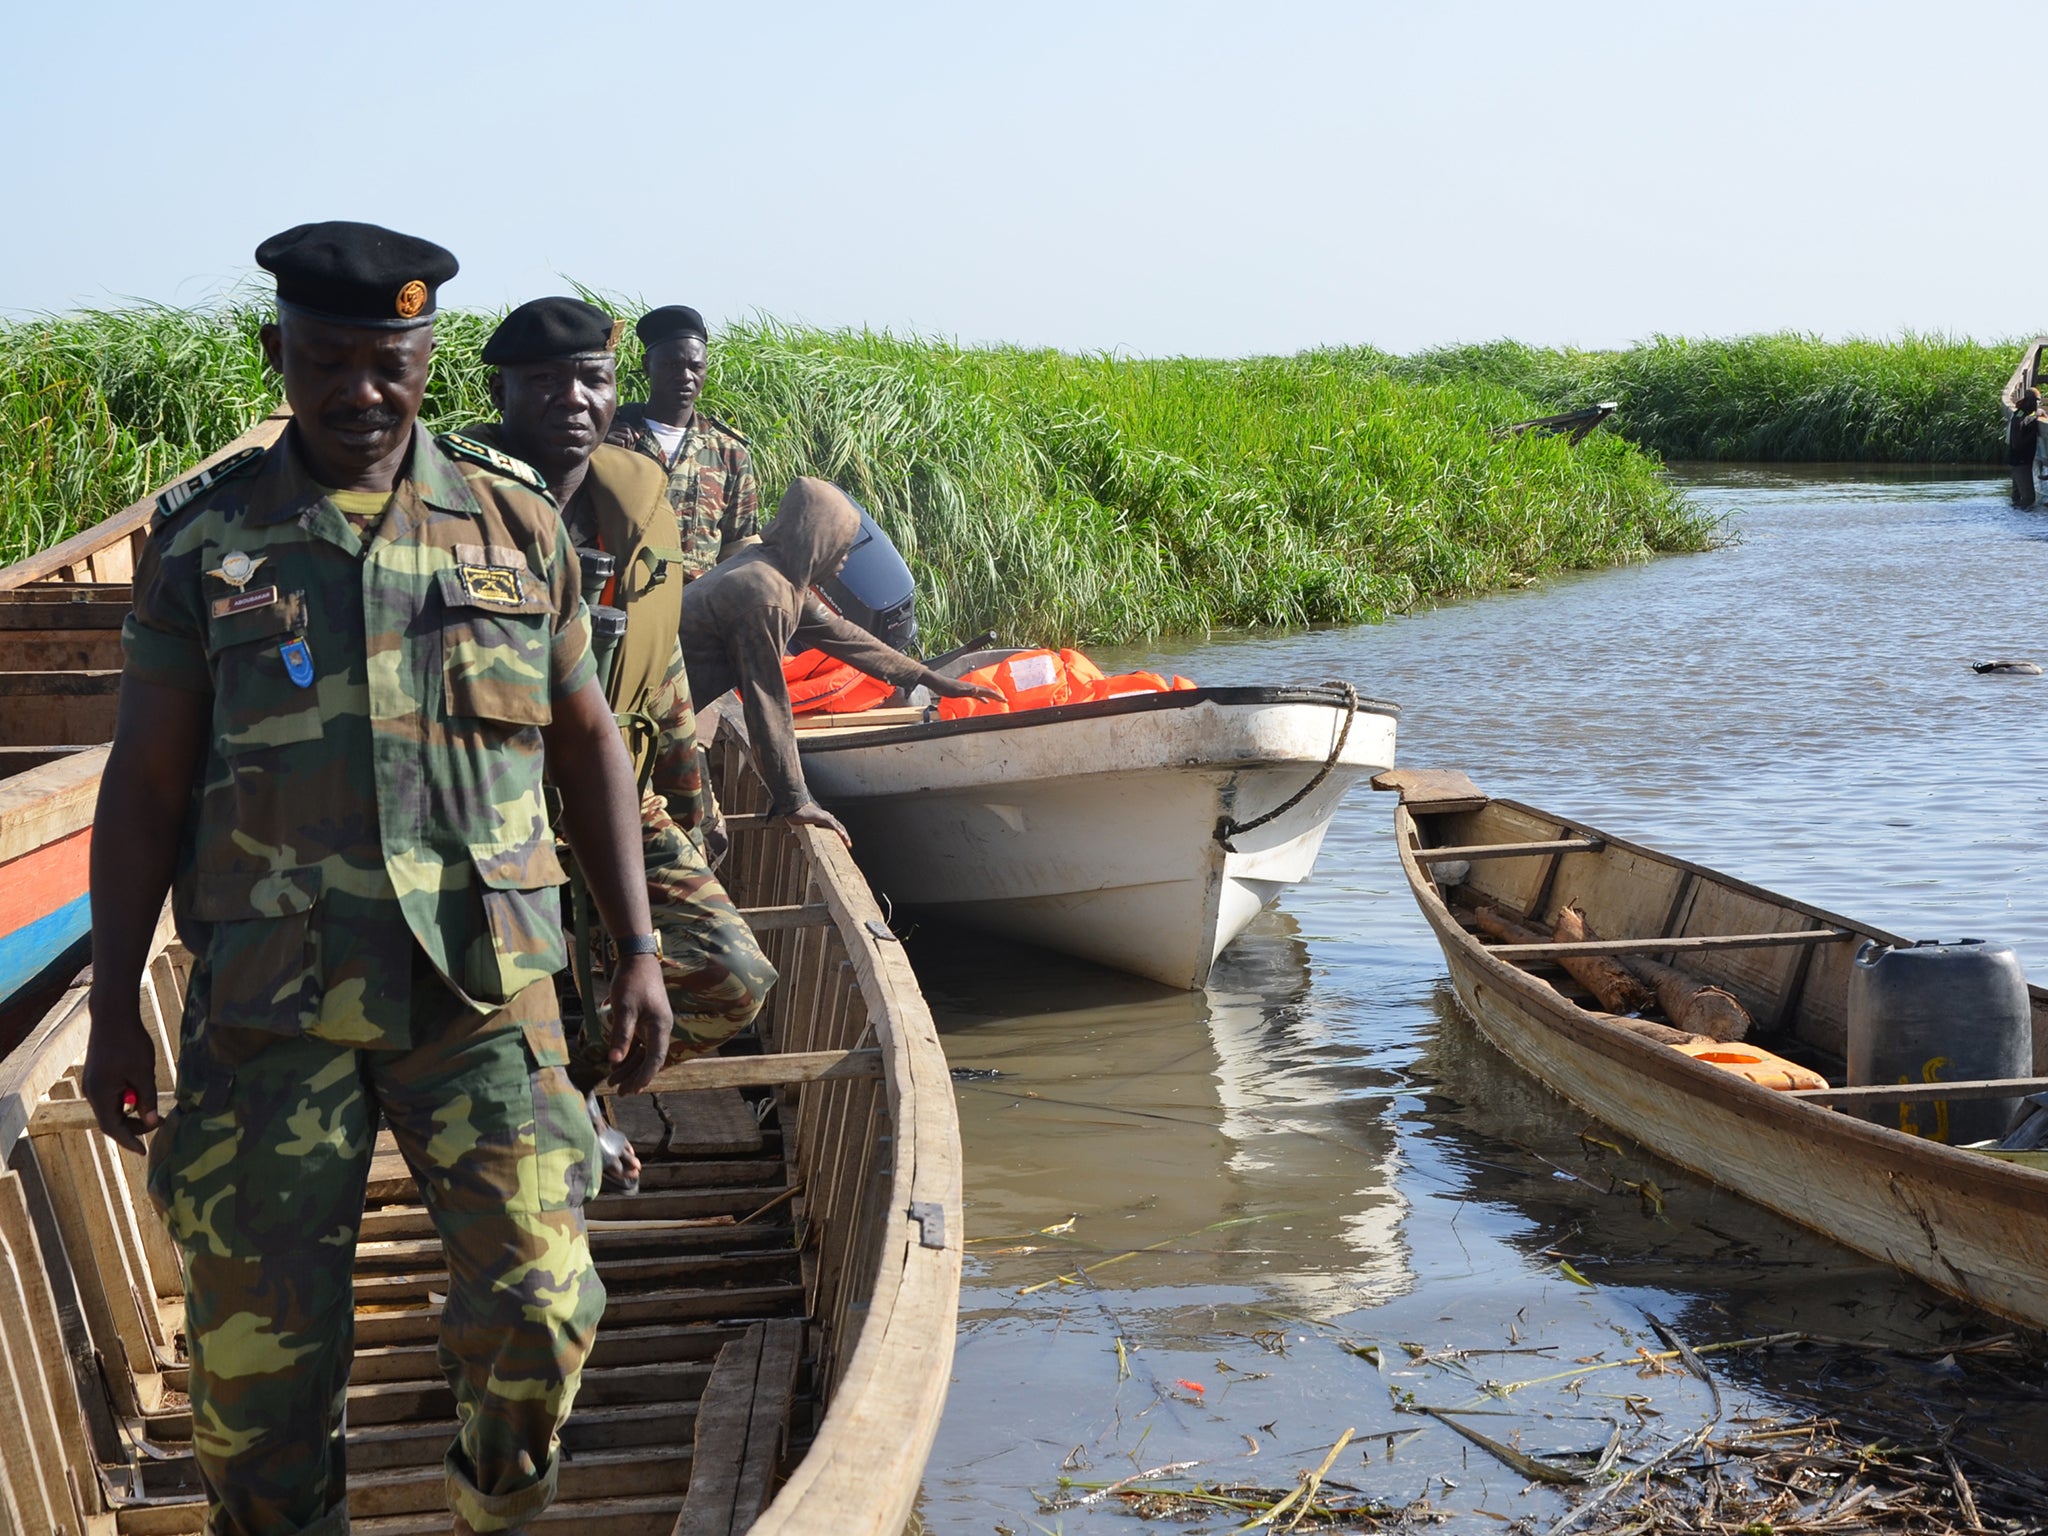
x=356, y=274
x=669, y=322
x=542, y=329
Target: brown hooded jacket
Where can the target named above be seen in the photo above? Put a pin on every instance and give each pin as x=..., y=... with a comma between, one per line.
x=741, y=617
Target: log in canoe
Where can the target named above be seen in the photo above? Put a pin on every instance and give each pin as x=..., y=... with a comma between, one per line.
x=1965, y=1221
x=783, y=1291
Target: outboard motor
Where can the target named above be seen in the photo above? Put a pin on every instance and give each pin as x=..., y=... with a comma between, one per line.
x=874, y=588
x=1928, y=1012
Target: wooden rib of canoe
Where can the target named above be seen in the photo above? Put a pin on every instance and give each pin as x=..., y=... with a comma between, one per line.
x=1969, y=1223
x=783, y=1291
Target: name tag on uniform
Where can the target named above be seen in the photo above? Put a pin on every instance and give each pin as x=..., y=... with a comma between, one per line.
x=491, y=583
x=242, y=602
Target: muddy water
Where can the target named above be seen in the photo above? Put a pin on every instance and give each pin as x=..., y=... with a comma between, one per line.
x=1287, y=1202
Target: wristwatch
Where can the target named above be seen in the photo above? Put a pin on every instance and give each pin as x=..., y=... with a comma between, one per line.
x=640, y=944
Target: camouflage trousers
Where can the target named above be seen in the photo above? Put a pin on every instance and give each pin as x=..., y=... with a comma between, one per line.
x=260, y=1172
x=712, y=966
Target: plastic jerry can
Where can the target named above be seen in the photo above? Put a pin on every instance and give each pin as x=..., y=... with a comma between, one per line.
x=1934, y=1012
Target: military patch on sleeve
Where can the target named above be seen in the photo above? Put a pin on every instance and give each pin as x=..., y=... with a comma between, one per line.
x=491, y=583
x=457, y=446
x=180, y=495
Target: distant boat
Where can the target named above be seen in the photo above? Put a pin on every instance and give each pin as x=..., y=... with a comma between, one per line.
x=1572, y=424
x=1142, y=832
x=1971, y=1223
x=2022, y=401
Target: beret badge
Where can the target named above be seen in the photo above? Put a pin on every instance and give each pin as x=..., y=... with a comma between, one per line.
x=412, y=298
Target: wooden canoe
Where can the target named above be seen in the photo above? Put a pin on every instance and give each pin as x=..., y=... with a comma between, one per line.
x=783, y=1291
x=1967, y=1223
x=60, y=674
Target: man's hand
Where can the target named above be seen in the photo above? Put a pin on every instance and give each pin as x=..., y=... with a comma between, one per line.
x=640, y=1022
x=812, y=814
x=119, y=1078
x=959, y=688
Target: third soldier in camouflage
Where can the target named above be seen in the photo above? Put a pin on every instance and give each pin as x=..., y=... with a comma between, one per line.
x=710, y=474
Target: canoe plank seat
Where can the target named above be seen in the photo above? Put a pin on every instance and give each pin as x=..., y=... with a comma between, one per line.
x=764, y=1071
x=742, y=1421
x=864, y=720
x=1689, y=943
x=1924, y=1093
x=776, y=919
x=1508, y=850
x=1432, y=791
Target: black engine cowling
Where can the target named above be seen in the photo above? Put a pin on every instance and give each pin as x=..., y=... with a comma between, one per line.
x=874, y=588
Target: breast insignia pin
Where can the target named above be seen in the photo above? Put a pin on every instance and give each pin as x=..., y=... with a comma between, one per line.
x=298, y=662
x=236, y=568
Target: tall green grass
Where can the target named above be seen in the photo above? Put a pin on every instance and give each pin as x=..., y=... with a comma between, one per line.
x=1920, y=399
x=1048, y=496
x=1060, y=495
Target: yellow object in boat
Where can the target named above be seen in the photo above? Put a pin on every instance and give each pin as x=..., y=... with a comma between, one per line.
x=1754, y=1063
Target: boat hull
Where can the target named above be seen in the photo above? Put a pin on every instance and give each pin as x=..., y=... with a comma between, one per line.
x=45, y=850
x=1093, y=830
x=1972, y=1226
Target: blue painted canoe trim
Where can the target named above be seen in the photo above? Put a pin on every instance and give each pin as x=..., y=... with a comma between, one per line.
x=32, y=950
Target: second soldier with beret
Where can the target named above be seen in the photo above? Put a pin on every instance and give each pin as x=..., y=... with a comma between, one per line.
x=349, y=660
x=555, y=386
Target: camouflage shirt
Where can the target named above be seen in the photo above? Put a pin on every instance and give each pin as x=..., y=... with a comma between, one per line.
x=710, y=485
x=372, y=786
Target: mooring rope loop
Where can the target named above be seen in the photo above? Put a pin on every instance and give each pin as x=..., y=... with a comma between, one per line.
x=1226, y=829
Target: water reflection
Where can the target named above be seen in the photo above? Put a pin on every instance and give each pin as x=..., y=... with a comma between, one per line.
x=1323, y=1152
x=1225, y=1138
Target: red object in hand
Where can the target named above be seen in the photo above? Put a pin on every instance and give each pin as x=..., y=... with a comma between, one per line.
x=128, y=1099
x=1193, y=1386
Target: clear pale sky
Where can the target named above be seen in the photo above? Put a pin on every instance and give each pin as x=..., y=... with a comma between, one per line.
x=1151, y=178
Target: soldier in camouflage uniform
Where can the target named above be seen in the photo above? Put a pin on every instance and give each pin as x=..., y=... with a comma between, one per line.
x=710, y=474
x=556, y=388
x=349, y=658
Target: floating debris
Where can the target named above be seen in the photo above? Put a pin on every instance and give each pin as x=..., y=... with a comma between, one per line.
x=2013, y=668
x=1313, y=1503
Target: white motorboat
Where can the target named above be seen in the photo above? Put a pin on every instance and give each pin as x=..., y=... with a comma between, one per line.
x=1143, y=833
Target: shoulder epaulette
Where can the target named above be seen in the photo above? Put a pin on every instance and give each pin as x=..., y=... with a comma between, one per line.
x=726, y=427
x=180, y=495
x=458, y=446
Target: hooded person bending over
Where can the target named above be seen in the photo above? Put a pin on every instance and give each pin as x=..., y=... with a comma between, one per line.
x=740, y=618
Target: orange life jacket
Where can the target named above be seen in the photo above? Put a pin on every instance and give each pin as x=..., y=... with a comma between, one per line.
x=1043, y=679
x=818, y=685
